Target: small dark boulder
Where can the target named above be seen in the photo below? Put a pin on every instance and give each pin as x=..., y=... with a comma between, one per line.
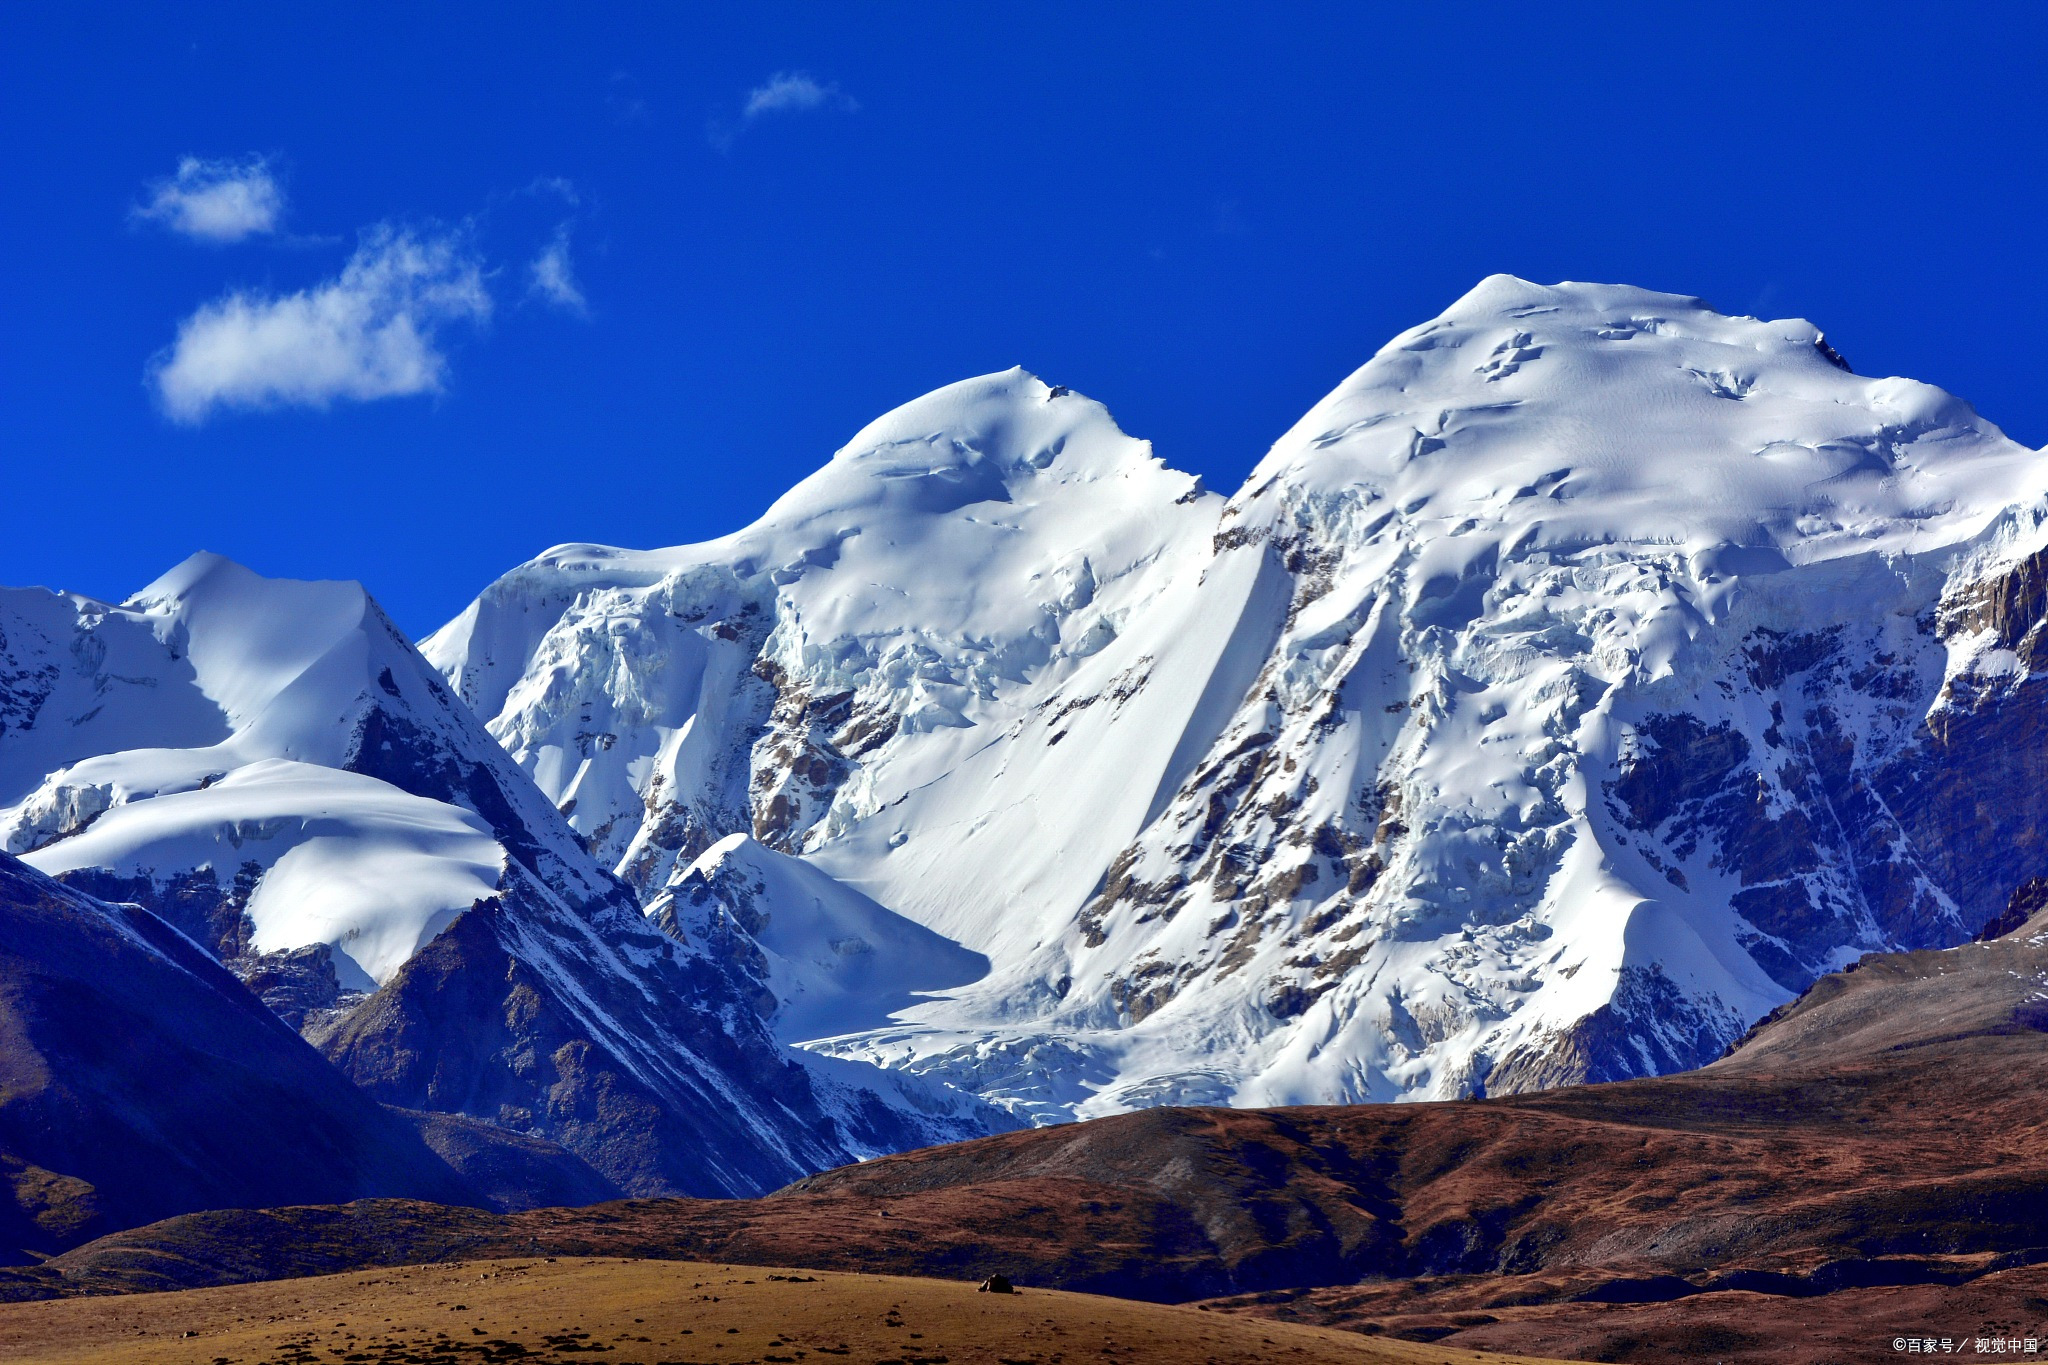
x=996, y=1284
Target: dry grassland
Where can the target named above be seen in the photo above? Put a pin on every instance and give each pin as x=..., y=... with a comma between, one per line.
x=618, y=1311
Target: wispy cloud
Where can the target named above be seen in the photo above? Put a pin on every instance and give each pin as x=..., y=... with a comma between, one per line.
x=793, y=92
x=552, y=276
x=371, y=332
x=216, y=201
x=785, y=92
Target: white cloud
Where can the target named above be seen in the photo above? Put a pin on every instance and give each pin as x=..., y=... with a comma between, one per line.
x=552, y=276
x=369, y=333
x=793, y=92
x=217, y=201
x=785, y=92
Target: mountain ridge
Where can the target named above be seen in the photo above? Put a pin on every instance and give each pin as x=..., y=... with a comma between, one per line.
x=1580, y=681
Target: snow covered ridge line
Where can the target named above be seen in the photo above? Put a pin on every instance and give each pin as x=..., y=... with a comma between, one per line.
x=1583, y=676
x=282, y=731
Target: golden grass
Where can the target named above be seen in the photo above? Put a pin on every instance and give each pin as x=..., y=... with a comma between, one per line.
x=618, y=1311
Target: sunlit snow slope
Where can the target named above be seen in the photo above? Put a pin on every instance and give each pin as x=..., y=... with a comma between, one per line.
x=224, y=721
x=1579, y=680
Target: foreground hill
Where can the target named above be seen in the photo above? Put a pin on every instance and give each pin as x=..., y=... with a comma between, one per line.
x=1825, y=1156
x=643, y=1312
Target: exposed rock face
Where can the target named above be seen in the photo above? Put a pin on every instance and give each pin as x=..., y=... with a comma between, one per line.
x=138, y=1079
x=193, y=901
x=1581, y=679
x=299, y=985
x=1886, y=790
x=643, y=1058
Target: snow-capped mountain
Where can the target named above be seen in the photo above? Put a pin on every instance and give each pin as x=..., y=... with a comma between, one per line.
x=274, y=769
x=1574, y=684
x=868, y=630
x=1613, y=628
x=282, y=737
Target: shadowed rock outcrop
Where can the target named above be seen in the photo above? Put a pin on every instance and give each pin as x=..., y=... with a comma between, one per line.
x=139, y=1079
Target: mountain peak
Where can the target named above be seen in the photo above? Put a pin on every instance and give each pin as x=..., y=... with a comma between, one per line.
x=206, y=574
x=1504, y=295
x=1011, y=422
x=1547, y=418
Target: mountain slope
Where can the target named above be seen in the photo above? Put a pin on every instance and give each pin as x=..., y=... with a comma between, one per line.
x=825, y=959
x=138, y=1080
x=274, y=769
x=1579, y=681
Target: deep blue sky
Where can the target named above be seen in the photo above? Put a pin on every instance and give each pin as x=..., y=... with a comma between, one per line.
x=1204, y=216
